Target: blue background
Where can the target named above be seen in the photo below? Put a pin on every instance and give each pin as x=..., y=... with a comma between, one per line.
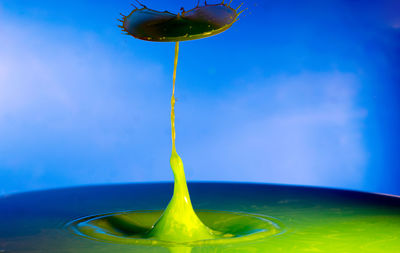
x=296, y=92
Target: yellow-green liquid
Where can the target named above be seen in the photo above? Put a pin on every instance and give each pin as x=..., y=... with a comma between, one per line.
x=304, y=219
x=307, y=220
x=179, y=222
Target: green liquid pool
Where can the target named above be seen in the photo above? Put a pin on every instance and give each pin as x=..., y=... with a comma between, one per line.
x=308, y=219
x=133, y=227
x=178, y=223
x=227, y=217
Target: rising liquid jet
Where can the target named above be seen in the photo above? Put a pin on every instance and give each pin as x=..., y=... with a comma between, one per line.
x=179, y=222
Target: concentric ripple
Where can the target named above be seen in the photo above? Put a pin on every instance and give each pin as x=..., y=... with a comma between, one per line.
x=133, y=227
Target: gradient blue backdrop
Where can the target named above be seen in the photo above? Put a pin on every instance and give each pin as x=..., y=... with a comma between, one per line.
x=296, y=92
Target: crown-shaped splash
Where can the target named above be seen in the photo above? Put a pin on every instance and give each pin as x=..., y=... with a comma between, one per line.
x=162, y=26
x=179, y=222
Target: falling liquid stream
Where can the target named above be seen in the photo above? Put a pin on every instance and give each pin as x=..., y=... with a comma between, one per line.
x=316, y=219
x=179, y=222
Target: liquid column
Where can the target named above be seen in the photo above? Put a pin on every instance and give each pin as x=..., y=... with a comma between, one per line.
x=179, y=222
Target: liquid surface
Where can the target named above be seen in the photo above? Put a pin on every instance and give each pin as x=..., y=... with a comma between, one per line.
x=314, y=219
x=132, y=227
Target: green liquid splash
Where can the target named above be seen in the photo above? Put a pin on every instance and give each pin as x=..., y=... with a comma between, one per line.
x=179, y=222
x=179, y=226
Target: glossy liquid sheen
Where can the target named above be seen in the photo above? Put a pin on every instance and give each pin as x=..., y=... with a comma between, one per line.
x=304, y=219
x=179, y=223
x=179, y=228
x=309, y=219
